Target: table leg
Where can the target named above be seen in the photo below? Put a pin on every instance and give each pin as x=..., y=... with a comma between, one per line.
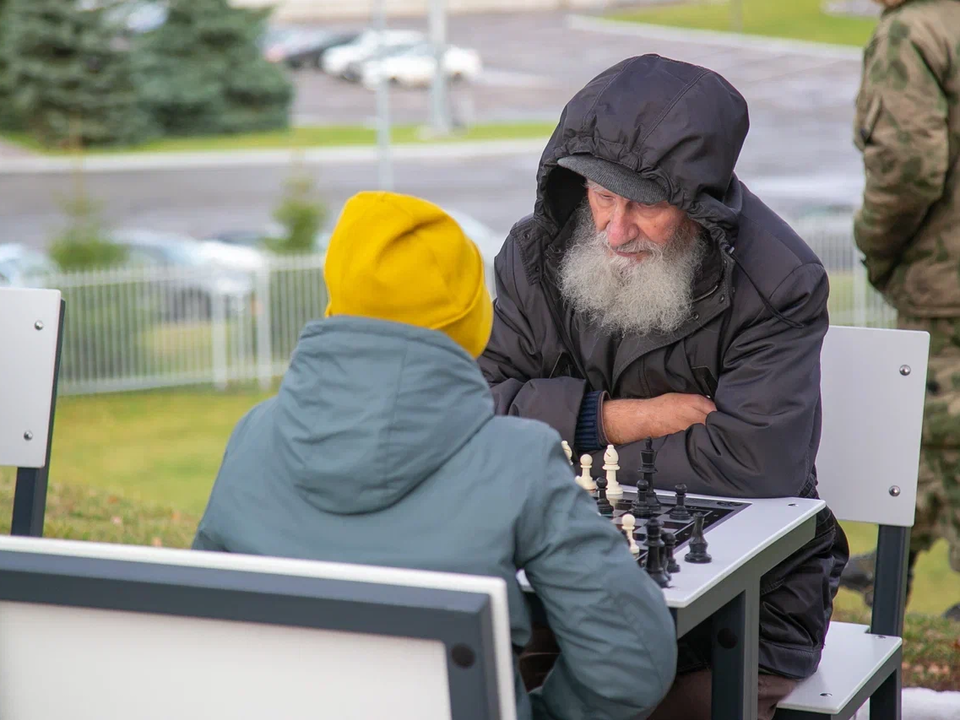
x=736, y=636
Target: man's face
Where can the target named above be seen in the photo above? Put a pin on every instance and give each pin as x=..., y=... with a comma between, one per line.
x=630, y=227
x=630, y=267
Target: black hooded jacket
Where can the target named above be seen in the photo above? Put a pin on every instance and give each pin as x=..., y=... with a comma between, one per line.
x=752, y=343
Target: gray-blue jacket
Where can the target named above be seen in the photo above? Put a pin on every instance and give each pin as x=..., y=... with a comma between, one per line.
x=382, y=447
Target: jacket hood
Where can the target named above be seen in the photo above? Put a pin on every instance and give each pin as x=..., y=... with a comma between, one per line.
x=370, y=409
x=669, y=121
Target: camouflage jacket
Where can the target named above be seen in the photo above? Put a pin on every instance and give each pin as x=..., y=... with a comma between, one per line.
x=908, y=129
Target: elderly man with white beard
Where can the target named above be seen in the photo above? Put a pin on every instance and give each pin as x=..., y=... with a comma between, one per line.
x=652, y=295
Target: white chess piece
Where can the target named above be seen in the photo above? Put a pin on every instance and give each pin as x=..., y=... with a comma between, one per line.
x=585, y=481
x=629, y=525
x=567, y=451
x=610, y=459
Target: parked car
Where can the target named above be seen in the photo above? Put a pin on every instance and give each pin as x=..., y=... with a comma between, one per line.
x=366, y=45
x=200, y=273
x=302, y=47
x=417, y=66
x=253, y=238
x=23, y=266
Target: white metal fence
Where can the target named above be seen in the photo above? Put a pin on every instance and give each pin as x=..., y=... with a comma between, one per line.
x=135, y=329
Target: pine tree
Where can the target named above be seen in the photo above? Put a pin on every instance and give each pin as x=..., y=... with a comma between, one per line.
x=68, y=68
x=7, y=116
x=203, y=72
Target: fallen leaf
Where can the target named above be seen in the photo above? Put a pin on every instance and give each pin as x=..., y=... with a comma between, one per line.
x=112, y=500
x=956, y=644
x=175, y=516
x=116, y=520
x=157, y=542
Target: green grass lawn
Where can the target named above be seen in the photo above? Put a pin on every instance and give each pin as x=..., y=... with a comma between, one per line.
x=312, y=137
x=793, y=19
x=137, y=468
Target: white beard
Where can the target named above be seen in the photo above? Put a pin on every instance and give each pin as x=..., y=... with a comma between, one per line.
x=621, y=295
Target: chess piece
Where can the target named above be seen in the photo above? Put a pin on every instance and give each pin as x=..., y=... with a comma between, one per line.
x=603, y=505
x=610, y=467
x=655, y=540
x=669, y=543
x=639, y=506
x=654, y=560
x=648, y=468
x=698, y=544
x=568, y=451
x=584, y=480
x=629, y=526
x=680, y=511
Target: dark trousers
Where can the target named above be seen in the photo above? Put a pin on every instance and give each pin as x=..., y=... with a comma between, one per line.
x=688, y=698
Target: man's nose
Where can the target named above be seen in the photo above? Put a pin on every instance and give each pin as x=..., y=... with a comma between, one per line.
x=619, y=230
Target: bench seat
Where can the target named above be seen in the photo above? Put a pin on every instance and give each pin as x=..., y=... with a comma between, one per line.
x=853, y=666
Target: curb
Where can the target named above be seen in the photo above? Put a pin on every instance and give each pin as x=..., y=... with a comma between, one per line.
x=134, y=162
x=715, y=38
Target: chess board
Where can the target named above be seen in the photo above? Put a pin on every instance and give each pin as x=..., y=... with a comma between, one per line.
x=714, y=512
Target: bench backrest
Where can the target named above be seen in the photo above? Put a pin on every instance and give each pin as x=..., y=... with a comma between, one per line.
x=29, y=325
x=100, y=631
x=873, y=383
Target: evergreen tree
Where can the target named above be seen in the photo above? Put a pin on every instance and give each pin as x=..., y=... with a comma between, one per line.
x=202, y=72
x=7, y=117
x=67, y=68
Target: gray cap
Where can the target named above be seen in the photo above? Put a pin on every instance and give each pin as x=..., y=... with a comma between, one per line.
x=616, y=178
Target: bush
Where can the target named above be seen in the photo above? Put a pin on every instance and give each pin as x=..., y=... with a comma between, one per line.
x=302, y=214
x=84, y=244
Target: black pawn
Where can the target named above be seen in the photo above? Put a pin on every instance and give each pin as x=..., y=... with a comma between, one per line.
x=603, y=505
x=680, y=511
x=669, y=543
x=698, y=544
x=639, y=506
x=654, y=560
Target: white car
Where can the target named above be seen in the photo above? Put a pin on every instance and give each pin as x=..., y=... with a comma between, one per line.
x=336, y=60
x=416, y=67
x=22, y=266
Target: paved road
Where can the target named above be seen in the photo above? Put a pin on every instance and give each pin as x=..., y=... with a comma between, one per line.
x=799, y=154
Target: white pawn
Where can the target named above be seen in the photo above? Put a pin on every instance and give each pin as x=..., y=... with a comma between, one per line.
x=567, y=451
x=585, y=481
x=629, y=525
x=610, y=459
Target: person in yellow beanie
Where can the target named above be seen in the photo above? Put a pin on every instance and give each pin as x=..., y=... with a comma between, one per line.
x=382, y=447
x=414, y=265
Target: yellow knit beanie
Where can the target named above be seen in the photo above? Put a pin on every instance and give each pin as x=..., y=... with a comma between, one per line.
x=400, y=258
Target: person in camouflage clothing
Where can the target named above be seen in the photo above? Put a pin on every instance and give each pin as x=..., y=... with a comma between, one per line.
x=908, y=129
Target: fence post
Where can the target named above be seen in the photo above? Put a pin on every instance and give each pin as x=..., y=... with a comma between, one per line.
x=218, y=329
x=264, y=328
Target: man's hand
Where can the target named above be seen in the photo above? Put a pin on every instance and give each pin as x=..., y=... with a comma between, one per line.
x=627, y=421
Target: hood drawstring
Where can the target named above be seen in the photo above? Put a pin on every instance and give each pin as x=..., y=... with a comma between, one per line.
x=728, y=249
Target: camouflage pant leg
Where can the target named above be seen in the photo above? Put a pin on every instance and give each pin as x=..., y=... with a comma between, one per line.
x=938, y=488
x=938, y=503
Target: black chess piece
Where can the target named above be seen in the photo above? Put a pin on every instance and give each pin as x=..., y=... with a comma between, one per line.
x=653, y=503
x=669, y=543
x=603, y=505
x=698, y=544
x=639, y=507
x=680, y=511
x=654, y=561
x=647, y=504
x=655, y=539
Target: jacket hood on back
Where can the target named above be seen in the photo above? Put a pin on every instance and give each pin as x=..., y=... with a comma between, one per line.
x=370, y=409
x=673, y=122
